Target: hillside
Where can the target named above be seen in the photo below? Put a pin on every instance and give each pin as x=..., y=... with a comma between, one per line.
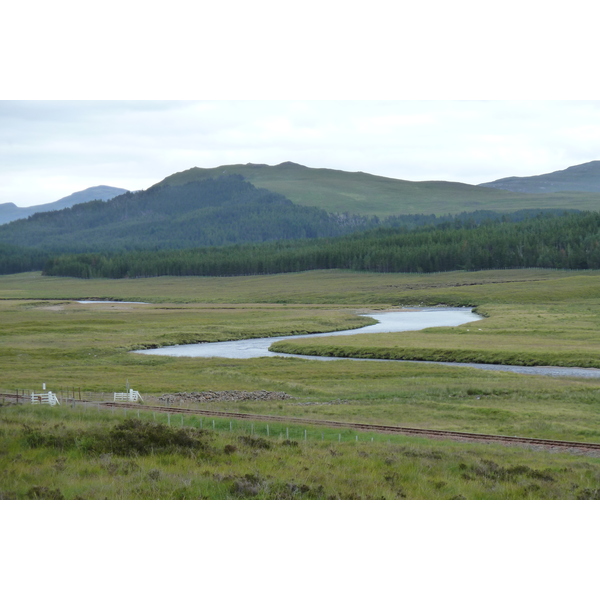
x=579, y=178
x=549, y=241
x=365, y=194
x=212, y=212
x=11, y=212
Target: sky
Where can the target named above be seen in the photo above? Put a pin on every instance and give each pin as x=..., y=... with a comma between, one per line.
x=50, y=149
x=129, y=94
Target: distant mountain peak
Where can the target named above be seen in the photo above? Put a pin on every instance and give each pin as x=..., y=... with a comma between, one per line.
x=578, y=178
x=289, y=163
x=10, y=212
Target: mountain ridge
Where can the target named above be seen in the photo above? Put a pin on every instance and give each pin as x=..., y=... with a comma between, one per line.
x=9, y=211
x=576, y=178
x=365, y=194
x=210, y=212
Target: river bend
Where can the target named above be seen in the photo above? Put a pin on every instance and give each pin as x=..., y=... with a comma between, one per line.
x=388, y=322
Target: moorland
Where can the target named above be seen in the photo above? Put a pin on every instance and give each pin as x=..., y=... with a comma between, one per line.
x=257, y=251
x=532, y=317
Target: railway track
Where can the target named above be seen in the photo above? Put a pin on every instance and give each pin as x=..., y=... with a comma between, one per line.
x=587, y=447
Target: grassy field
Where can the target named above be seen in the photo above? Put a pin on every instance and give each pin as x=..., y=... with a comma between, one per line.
x=64, y=453
x=342, y=288
x=46, y=337
x=362, y=193
x=511, y=334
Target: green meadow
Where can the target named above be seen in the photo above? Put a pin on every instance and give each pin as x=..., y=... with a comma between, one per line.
x=532, y=317
x=73, y=453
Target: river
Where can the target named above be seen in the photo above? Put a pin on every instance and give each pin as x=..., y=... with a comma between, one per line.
x=388, y=322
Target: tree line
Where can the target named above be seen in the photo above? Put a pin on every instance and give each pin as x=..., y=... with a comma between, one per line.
x=571, y=241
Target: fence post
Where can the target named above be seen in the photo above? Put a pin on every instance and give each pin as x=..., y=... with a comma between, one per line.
x=213, y=423
x=339, y=437
x=287, y=433
x=168, y=418
x=267, y=430
x=305, y=435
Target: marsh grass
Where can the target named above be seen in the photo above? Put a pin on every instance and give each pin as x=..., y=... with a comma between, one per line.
x=549, y=333
x=341, y=287
x=86, y=346
x=68, y=344
x=533, y=314
x=242, y=465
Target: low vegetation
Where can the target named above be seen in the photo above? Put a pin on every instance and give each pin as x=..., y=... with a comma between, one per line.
x=511, y=334
x=63, y=453
x=46, y=337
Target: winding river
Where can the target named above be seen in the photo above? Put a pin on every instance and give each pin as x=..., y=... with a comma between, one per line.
x=392, y=321
x=388, y=322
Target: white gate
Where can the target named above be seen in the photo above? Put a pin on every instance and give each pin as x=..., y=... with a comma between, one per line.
x=130, y=396
x=45, y=398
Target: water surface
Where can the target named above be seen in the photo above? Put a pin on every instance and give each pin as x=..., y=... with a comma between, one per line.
x=388, y=322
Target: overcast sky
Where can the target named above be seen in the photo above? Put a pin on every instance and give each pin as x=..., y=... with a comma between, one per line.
x=50, y=149
x=282, y=84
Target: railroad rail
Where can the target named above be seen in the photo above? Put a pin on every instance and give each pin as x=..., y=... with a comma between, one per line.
x=389, y=429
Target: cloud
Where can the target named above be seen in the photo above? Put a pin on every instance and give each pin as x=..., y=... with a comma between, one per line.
x=50, y=149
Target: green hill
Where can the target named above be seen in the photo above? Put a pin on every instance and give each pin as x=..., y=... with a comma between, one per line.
x=365, y=194
x=211, y=212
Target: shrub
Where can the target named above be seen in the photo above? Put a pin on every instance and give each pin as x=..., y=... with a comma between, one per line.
x=38, y=492
x=255, y=442
x=131, y=437
x=134, y=436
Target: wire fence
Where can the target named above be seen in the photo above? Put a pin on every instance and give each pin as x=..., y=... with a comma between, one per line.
x=284, y=432
x=253, y=433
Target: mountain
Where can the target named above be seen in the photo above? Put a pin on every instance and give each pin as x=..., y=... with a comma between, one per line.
x=364, y=194
x=579, y=178
x=211, y=212
x=224, y=206
x=11, y=212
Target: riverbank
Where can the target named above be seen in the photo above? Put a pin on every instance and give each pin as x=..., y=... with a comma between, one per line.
x=412, y=319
